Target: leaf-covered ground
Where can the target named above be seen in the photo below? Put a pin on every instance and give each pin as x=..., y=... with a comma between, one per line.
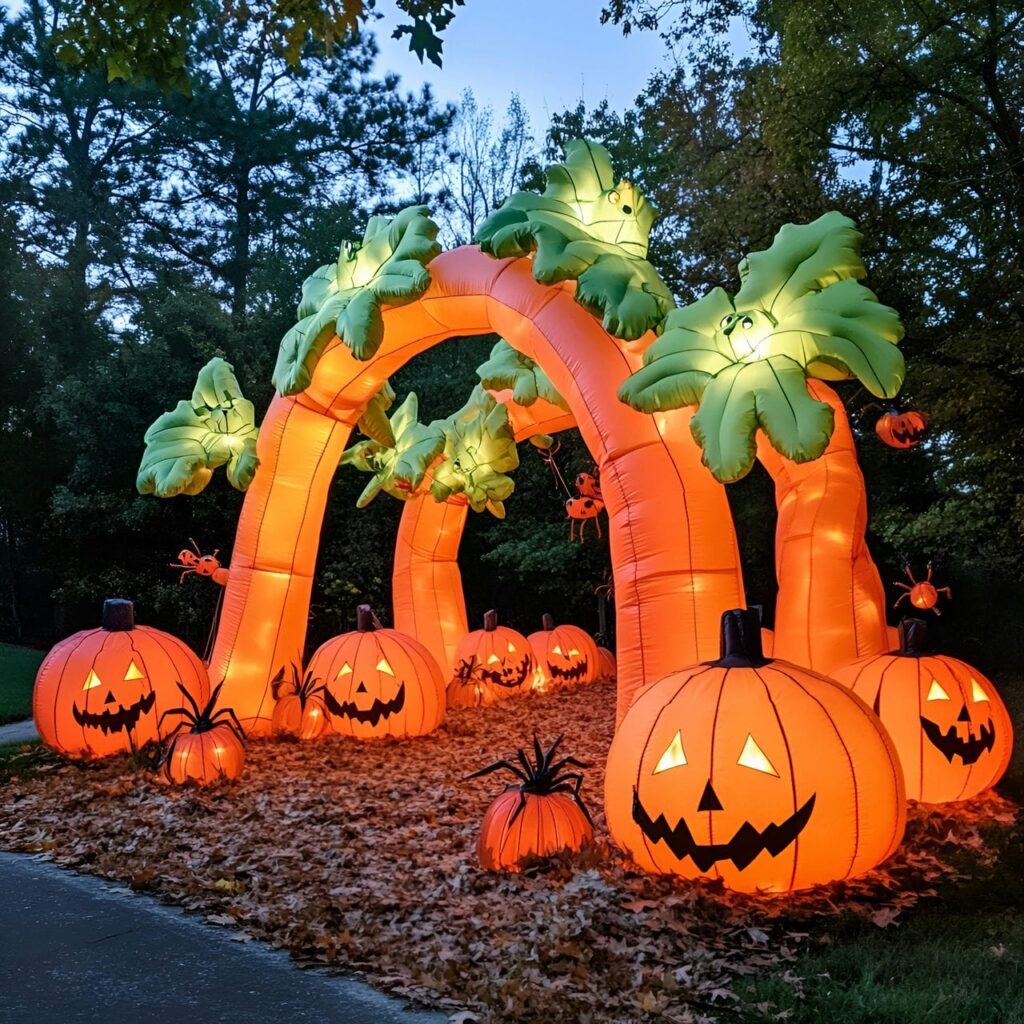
x=362, y=855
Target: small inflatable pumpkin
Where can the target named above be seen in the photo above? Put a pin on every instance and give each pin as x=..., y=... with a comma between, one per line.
x=540, y=815
x=491, y=664
x=379, y=682
x=103, y=691
x=608, y=668
x=950, y=728
x=565, y=654
x=901, y=429
x=757, y=772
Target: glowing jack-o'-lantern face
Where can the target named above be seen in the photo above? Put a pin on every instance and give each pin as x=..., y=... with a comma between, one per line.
x=565, y=655
x=753, y=771
x=102, y=691
x=950, y=728
x=379, y=682
x=491, y=664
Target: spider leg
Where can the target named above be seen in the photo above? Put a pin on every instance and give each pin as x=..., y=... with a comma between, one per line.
x=184, y=574
x=944, y=590
x=901, y=597
x=519, y=807
x=928, y=578
x=597, y=526
x=498, y=766
x=910, y=575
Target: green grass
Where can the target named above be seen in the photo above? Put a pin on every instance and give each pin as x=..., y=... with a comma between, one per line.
x=18, y=667
x=955, y=959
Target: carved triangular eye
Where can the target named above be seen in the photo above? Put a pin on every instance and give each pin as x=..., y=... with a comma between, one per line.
x=936, y=692
x=511, y=647
x=752, y=756
x=557, y=649
x=573, y=653
x=91, y=680
x=383, y=666
x=978, y=695
x=674, y=756
x=493, y=659
x=134, y=672
x=345, y=670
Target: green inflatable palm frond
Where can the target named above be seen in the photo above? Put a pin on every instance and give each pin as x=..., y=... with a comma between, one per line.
x=216, y=428
x=591, y=229
x=507, y=368
x=374, y=422
x=388, y=268
x=800, y=312
x=398, y=469
x=479, y=450
x=477, y=445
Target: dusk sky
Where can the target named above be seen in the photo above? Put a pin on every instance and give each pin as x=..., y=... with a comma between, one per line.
x=552, y=52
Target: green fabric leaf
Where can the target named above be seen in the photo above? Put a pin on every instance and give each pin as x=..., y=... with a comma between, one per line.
x=507, y=368
x=399, y=468
x=800, y=305
x=587, y=228
x=388, y=268
x=374, y=422
x=770, y=394
x=217, y=428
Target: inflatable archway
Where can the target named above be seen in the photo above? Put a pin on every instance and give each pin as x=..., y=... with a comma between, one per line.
x=674, y=552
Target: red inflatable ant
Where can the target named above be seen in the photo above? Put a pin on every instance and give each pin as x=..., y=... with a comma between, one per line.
x=202, y=565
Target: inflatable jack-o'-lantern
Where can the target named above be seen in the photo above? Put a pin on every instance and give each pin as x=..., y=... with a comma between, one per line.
x=950, y=728
x=102, y=691
x=491, y=664
x=901, y=429
x=757, y=772
x=379, y=682
x=565, y=654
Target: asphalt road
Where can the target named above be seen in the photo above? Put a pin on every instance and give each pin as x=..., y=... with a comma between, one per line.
x=75, y=949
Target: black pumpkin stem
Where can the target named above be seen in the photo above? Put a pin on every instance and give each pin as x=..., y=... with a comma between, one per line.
x=547, y=622
x=491, y=620
x=913, y=638
x=366, y=621
x=741, y=639
x=541, y=776
x=118, y=615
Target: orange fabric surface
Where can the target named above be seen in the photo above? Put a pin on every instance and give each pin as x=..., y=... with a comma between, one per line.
x=831, y=604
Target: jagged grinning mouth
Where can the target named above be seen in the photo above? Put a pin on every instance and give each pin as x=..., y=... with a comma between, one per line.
x=510, y=679
x=949, y=744
x=123, y=719
x=746, y=844
x=908, y=436
x=373, y=714
x=569, y=675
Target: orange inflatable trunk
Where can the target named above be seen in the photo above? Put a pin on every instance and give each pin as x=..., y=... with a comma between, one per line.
x=673, y=547
x=831, y=603
x=426, y=584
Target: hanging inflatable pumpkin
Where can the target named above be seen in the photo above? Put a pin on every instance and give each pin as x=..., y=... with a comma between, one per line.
x=565, y=654
x=207, y=744
x=299, y=708
x=491, y=664
x=379, y=682
x=948, y=723
x=540, y=816
x=607, y=667
x=758, y=772
x=902, y=429
x=102, y=691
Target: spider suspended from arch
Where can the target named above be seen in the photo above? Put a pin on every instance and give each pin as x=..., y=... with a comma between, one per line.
x=923, y=594
x=203, y=565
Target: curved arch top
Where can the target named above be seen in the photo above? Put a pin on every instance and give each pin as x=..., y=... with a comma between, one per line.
x=674, y=554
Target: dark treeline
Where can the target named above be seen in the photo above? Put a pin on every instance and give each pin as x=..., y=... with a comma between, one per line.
x=143, y=232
